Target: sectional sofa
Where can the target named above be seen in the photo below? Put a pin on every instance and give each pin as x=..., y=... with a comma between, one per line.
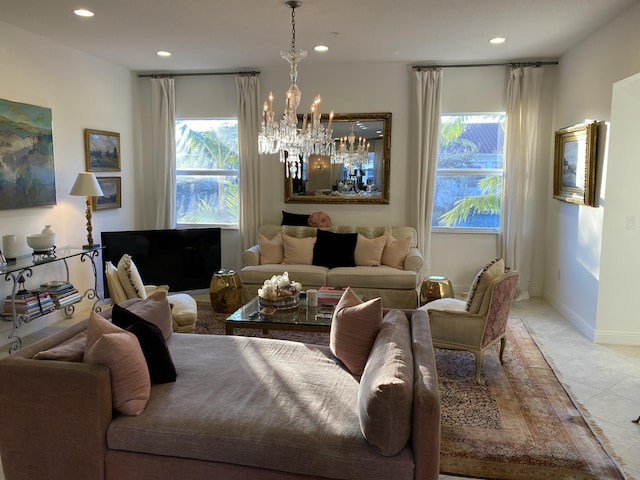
x=237, y=408
x=374, y=261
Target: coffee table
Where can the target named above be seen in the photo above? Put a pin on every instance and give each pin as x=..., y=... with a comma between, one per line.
x=302, y=319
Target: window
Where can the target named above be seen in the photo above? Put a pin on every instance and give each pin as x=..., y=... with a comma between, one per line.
x=469, y=172
x=207, y=172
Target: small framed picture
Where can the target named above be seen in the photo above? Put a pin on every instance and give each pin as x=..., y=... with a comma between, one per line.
x=574, y=178
x=102, y=151
x=111, y=187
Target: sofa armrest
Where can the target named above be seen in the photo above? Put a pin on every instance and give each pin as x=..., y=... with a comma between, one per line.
x=54, y=418
x=414, y=262
x=251, y=256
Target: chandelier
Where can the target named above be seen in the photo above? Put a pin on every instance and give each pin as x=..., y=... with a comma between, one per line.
x=294, y=144
x=351, y=152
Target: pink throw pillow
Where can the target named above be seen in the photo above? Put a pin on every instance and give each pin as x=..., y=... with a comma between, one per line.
x=320, y=220
x=395, y=251
x=120, y=351
x=271, y=251
x=157, y=310
x=369, y=250
x=298, y=251
x=354, y=328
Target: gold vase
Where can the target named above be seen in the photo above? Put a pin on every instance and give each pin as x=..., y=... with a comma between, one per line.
x=225, y=291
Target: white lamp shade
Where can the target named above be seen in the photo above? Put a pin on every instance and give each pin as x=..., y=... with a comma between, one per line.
x=86, y=186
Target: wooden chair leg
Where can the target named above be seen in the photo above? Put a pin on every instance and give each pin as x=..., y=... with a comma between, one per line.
x=503, y=343
x=478, y=367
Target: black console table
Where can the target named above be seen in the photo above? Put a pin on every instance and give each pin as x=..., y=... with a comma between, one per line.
x=24, y=266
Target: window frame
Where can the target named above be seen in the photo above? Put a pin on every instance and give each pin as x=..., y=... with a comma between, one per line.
x=451, y=172
x=207, y=173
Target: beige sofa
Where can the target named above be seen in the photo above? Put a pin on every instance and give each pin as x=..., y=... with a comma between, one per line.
x=240, y=408
x=398, y=287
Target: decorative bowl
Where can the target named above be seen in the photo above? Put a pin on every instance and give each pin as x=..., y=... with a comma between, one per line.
x=282, y=303
x=41, y=241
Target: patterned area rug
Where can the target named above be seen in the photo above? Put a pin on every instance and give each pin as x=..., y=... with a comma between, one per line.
x=521, y=424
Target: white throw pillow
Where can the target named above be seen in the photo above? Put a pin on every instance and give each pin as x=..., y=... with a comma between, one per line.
x=130, y=278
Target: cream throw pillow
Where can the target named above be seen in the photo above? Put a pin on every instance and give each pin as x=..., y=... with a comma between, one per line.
x=120, y=351
x=354, y=328
x=118, y=295
x=130, y=278
x=481, y=283
x=369, y=250
x=386, y=387
x=395, y=251
x=298, y=251
x=271, y=251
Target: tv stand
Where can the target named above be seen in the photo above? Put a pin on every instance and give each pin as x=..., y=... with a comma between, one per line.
x=24, y=267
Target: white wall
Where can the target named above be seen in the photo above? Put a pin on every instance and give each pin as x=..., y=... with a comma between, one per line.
x=574, y=253
x=82, y=92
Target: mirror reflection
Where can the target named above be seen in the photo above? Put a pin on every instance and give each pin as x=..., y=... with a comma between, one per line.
x=359, y=170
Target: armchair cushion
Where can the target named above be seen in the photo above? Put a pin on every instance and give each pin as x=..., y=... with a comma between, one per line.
x=117, y=293
x=354, y=328
x=130, y=277
x=481, y=283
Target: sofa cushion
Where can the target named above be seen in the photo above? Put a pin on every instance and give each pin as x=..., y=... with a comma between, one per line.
x=369, y=250
x=120, y=351
x=71, y=350
x=155, y=309
x=308, y=275
x=298, y=251
x=152, y=342
x=130, y=278
x=335, y=249
x=295, y=408
x=271, y=251
x=386, y=387
x=395, y=251
x=294, y=218
x=481, y=282
x=354, y=327
x=116, y=292
x=381, y=277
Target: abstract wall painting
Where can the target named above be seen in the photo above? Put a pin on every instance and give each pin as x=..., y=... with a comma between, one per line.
x=27, y=174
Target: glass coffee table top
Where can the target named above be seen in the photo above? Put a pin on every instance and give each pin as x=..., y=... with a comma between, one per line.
x=301, y=318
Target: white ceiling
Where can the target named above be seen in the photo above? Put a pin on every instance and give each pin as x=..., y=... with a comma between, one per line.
x=218, y=35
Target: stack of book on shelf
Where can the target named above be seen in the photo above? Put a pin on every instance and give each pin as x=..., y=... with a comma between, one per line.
x=62, y=293
x=32, y=304
x=330, y=295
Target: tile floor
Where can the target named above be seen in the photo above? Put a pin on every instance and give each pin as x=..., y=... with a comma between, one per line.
x=605, y=379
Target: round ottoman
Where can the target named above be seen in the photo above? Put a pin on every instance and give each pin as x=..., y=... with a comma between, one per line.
x=184, y=312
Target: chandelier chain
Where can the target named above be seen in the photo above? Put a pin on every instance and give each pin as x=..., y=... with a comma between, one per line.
x=293, y=28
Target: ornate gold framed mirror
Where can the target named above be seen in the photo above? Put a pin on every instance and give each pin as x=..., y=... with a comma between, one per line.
x=348, y=178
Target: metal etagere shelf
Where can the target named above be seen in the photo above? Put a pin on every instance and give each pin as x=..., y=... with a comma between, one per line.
x=23, y=268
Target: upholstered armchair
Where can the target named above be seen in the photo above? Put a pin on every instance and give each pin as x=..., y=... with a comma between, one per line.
x=125, y=283
x=455, y=326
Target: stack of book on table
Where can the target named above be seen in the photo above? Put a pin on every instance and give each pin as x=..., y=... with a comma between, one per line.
x=32, y=304
x=330, y=295
x=62, y=293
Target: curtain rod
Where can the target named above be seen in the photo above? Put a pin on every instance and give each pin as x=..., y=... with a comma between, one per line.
x=198, y=74
x=504, y=64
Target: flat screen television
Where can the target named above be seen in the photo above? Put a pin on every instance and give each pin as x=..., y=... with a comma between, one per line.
x=184, y=259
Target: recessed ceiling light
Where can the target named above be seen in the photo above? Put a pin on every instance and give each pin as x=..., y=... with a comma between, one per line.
x=163, y=53
x=82, y=12
x=321, y=48
x=497, y=40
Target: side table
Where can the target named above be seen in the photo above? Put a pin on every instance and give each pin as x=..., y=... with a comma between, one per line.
x=225, y=291
x=435, y=287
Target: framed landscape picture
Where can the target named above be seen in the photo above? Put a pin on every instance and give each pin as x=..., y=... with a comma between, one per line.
x=111, y=187
x=574, y=178
x=102, y=151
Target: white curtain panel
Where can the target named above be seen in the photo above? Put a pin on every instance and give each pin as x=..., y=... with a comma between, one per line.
x=427, y=92
x=520, y=173
x=248, y=89
x=160, y=167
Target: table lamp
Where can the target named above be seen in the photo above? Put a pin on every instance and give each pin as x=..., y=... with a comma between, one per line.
x=87, y=185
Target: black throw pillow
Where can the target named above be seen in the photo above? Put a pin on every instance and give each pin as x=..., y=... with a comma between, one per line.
x=295, y=219
x=335, y=249
x=152, y=342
